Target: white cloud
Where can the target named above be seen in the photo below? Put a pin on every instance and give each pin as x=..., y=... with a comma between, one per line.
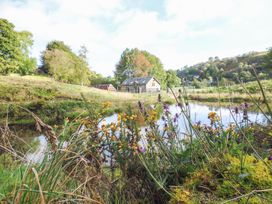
x=190, y=31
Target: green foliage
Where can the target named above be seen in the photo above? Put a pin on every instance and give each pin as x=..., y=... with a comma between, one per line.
x=14, y=50
x=58, y=45
x=99, y=79
x=61, y=63
x=172, y=80
x=139, y=63
x=28, y=64
x=9, y=175
x=235, y=69
x=268, y=61
x=9, y=48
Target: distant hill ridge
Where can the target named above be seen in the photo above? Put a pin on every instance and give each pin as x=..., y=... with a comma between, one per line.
x=232, y=69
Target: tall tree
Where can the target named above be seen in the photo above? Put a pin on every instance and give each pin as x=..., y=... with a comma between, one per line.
x=142, y=67
x=62, y=64
x=27, y=64
x=83, y=51
x=9, y=48
x=15, y=50
x=139, y=63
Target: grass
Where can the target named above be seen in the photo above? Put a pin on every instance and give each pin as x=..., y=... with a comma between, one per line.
x=235, y=93
x=54, y=100
x=32, y=88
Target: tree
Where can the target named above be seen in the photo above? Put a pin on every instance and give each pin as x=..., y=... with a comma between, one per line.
x=58, y=45
x=83, y=51
x=245, y=76
x=268, y=61
x=15, y=50
x=139, y=63
x=99, y=79
x=142, y=66
x=125, y=64
x=214, y=72
x=229, y=68
x=62, y=64
x=9, y=48
x=27, y=64
x=172, y=80
x=157, y=69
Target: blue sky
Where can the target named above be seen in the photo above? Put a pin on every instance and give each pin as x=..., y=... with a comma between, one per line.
x=179, y=32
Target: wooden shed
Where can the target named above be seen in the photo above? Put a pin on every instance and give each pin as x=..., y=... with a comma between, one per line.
x=141, y=84
x=108, y=87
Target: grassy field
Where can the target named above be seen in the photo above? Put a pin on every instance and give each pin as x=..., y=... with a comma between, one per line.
x=235, y=93
x=31, y=88
x=55, y=100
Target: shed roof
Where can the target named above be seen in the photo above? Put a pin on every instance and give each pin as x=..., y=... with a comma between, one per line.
x=103, y=86
x=138, y=80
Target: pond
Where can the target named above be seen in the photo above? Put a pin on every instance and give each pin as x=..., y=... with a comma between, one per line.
x=199, y=113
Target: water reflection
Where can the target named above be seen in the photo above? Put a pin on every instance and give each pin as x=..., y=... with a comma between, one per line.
x=39, y=153
x=198, y=112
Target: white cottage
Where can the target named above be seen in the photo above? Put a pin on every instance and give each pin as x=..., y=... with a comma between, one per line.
x=141, y=84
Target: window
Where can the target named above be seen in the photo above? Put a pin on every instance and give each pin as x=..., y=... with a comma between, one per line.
x=153, y=83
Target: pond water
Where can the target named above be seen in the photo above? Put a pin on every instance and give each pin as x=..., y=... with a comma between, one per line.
x=199, y=113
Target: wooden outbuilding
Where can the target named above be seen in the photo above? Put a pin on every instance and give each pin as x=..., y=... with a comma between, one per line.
x=108, y=87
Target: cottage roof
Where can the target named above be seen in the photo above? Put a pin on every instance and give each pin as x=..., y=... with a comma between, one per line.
x=138, y=81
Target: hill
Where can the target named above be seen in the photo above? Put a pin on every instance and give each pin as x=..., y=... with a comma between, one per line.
x=226, y=71
x=54, y=100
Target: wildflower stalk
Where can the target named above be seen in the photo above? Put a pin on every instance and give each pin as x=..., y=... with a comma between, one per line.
x=262, y=91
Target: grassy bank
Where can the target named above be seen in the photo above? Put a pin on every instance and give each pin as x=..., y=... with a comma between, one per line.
x=54, y=100
x=235, y=93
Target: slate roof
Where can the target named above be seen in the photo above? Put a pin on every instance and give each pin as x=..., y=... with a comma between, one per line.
x=104, y=86
x=138, y=81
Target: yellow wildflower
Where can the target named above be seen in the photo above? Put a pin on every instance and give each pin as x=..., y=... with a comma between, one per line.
x=113, y=127
x=106, y=104
x=113, y=138
x=213, y=116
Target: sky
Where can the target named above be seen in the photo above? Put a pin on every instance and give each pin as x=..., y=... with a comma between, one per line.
x=179, y=32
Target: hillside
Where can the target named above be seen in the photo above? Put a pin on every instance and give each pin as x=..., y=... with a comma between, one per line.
x=56, y=100
x=226, y=70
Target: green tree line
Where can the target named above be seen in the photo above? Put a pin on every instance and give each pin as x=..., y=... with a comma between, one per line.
x=229, y=70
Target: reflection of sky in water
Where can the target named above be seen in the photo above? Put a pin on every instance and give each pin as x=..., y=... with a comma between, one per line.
x=38, y=155
x=198, y=113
